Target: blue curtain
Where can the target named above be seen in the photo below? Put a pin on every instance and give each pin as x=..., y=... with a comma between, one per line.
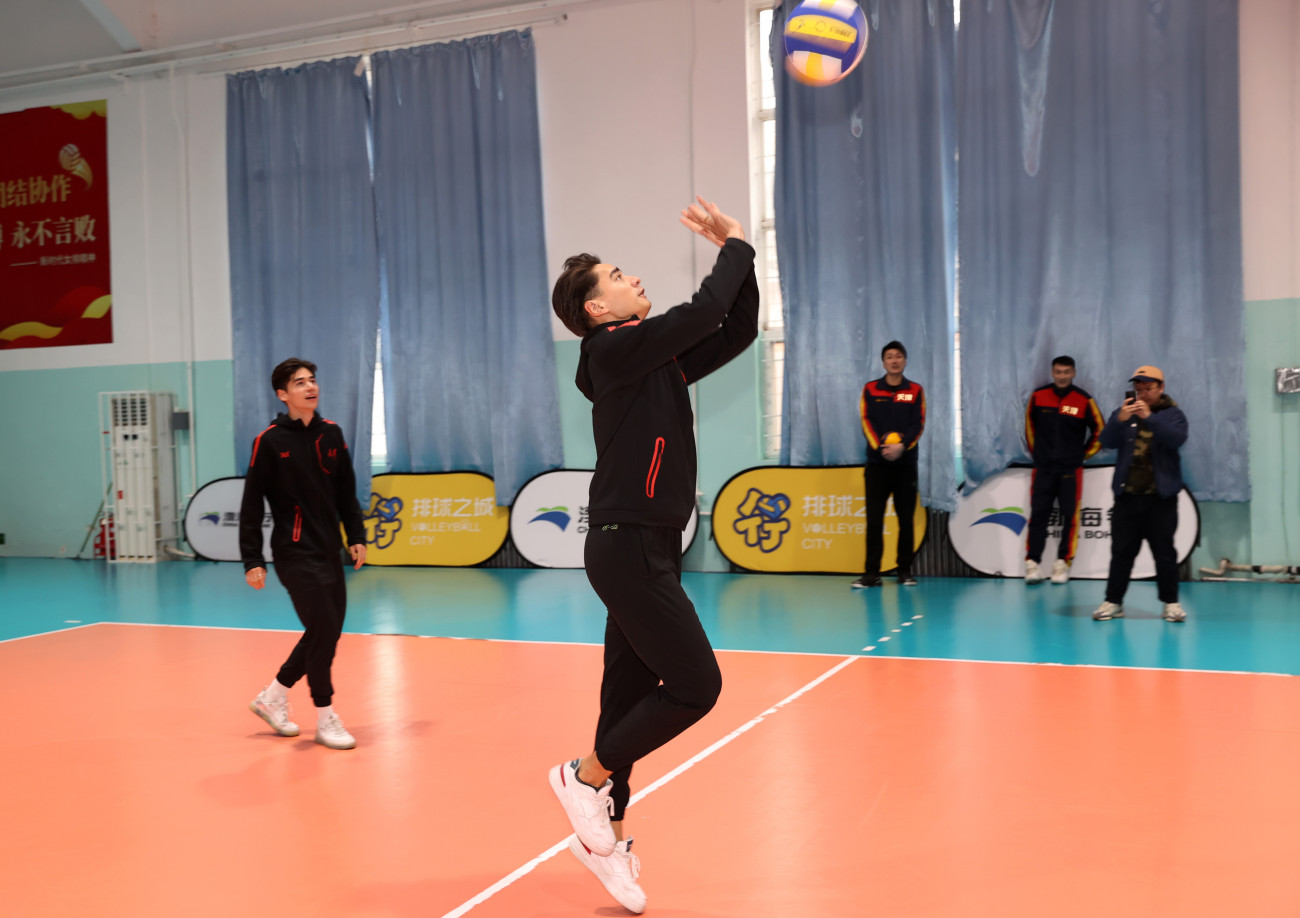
x=865, y=229
x=467, y=333
x=304, y=268
x=1101, y=217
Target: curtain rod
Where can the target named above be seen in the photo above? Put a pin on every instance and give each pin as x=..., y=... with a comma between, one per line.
x=181, y=58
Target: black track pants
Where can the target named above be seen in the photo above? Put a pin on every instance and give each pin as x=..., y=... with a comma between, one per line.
x=320, y=598
x=1054, y=484
x=652, y=636
x=1138, y=517
x=883, y=479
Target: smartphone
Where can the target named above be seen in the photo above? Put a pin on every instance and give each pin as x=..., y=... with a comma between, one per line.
x=1130, y=395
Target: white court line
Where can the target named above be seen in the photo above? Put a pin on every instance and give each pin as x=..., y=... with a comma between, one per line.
x=692, y=761
x=1149, y=669
x=792, y=653
x=23, y=637
x=450, y=637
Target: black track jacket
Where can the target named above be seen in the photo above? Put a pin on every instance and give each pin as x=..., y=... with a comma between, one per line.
x=305, y=472
x=636, y=374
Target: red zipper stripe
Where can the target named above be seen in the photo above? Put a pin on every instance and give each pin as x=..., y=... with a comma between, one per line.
x=319, y=460
x=256, y=444
x=655, y=461
x=297, y=523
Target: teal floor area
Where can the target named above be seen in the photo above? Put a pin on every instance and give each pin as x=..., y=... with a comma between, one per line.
x=1246, y=627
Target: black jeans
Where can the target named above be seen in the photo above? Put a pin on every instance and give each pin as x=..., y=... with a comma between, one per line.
x=1138, y=517
x=652, y=635
x=883, y=479
x=320, y=598
x=1054, y=484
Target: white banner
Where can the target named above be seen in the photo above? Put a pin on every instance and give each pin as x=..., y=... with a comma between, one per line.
x=990, y=528
x=212, y=521
x=548, y=520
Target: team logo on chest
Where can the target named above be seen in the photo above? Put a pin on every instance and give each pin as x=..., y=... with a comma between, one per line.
x=903, y=397
x=1071, y=410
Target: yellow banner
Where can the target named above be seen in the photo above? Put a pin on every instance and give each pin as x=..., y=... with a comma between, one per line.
x=443, y=519
x=823, y=30
x=781, y=519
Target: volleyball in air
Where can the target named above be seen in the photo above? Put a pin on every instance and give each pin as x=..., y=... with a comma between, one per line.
x=824, y=40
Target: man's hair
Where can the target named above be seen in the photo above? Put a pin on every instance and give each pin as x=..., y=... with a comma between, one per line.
x=1063, y=361
x=281, y=375
x=893, y=346
x=573, y=288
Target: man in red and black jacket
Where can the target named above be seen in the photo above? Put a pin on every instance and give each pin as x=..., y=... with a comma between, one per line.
x=1062, y=429
x=660, y=675
x=301, y=467
x=893, y=418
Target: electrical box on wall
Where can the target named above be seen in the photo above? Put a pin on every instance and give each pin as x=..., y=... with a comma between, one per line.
x=1288, y=380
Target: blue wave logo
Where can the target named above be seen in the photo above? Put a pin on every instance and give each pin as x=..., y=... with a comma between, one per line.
x=1012, y=518
x=213, y=518
x=557, y=515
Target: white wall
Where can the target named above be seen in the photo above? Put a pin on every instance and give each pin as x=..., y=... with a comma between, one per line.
x=1270, y=147
x=643, y=106
x=163, y=226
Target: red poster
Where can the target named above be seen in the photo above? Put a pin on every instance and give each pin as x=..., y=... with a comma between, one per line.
x=54, y=265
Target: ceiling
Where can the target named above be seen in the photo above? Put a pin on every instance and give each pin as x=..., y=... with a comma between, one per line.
x=49, y=33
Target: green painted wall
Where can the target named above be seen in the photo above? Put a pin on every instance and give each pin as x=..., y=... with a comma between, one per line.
x=51, y=449
x=51, y=452
x=1273, y=340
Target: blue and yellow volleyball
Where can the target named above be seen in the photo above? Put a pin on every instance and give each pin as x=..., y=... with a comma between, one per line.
x=824, y=40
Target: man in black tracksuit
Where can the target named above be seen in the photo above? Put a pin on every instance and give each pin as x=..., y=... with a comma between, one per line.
x=301, y=466
x=1062, y=430
x=892, y=409
x=636, y=371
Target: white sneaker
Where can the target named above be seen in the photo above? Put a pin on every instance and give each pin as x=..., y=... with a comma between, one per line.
x=1174, y=612
x=1032, y=573
x=1108, y=610
x=1060, y=571
x=588, y=809
x=275, y=713
x=618, y=872
x=331, y=733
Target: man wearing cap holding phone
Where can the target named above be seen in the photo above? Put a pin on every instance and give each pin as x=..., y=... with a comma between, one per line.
x=1147, y=430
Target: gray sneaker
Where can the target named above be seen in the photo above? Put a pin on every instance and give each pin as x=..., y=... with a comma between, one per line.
x=1108, y=610
x=275, y=713
x=331, y=734
x=1174, y=612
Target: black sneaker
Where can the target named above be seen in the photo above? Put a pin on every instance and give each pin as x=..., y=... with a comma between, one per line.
x=906, y=580
x=865, y=582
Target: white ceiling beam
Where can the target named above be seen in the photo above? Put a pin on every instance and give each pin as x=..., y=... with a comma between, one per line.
x=112, y=25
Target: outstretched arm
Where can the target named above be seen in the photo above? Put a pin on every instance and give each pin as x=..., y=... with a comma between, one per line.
x=633, y=349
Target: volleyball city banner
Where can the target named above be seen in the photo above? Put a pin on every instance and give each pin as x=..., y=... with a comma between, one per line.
x=439, y=519
x=211, y=523
x=549, y=520
x=811, y=519
x=988, y=530
x=54, y=243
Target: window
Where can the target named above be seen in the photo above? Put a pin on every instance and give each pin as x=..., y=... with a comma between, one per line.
x=762, y=154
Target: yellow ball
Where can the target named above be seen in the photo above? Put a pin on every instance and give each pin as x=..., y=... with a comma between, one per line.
x=892, y=438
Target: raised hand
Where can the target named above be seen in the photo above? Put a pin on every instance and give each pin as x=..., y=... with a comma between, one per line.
x=705, y=219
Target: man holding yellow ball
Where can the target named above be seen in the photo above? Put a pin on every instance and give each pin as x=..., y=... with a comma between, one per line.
x=893, y=418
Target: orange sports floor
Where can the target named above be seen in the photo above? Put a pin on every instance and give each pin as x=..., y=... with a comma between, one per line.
x=138, y=784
